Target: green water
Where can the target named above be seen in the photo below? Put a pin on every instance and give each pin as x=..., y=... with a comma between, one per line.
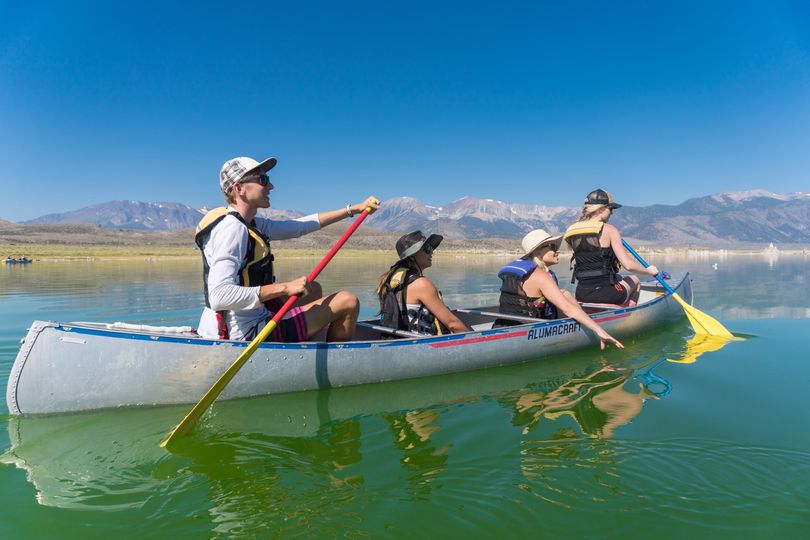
x=615, y=444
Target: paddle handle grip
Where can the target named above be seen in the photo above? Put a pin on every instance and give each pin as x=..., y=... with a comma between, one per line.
x=645, y=265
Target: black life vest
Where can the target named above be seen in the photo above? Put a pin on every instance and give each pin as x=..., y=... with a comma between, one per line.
x=515, y=301
x=590, y=262
x=257, y=265
x=396, y=314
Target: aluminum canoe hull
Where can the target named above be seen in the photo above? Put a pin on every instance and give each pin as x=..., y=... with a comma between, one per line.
x=64, y=367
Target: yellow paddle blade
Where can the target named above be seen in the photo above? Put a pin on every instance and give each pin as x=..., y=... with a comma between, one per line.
x=699, y=344
x=199, y=409
x=701, y=322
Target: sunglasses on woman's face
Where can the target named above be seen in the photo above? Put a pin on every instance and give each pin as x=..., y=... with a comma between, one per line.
x=262, y=179
x=427, y=248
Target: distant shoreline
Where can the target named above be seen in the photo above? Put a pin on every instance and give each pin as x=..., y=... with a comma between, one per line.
x=68, y=252
x=83, y=241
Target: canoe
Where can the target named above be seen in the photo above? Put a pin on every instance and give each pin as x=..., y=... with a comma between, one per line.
x=69, y=367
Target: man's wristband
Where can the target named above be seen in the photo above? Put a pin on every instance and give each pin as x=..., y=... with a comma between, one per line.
x=349, y=210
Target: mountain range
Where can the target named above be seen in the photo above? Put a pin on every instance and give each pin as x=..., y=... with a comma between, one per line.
x=129, y=215
x=750, y=217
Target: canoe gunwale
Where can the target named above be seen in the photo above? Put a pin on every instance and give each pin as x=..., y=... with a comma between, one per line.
x=79, y=328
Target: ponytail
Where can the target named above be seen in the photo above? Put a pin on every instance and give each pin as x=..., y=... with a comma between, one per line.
x=589, y=210
x=540, y=264
x=384, y=285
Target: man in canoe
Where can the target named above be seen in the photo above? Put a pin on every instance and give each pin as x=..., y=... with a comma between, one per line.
x=598, y=254
x=241, y=293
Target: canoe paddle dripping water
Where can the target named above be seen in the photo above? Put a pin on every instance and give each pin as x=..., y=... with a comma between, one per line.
x=701, y=322
x=191, y=418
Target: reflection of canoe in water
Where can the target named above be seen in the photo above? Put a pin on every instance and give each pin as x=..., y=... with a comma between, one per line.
x=86, y=366
x=111, y=460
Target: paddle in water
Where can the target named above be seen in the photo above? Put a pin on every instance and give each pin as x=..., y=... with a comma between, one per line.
x=701, y=322
x=197, y=411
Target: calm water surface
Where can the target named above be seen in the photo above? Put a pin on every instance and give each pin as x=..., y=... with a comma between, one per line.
x=598, y=444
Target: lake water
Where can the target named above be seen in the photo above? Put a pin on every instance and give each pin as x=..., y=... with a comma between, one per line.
x=614, y=444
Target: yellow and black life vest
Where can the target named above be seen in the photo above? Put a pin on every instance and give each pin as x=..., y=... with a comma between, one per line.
x=257, y=265
x=396, y=314
x=590, y=261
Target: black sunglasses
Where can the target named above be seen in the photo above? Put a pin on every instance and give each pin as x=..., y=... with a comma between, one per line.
x=262, y=179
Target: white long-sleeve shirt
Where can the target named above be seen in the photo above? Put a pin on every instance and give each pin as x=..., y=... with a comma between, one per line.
x=225, y=250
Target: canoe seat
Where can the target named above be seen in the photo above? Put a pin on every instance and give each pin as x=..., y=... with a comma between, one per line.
x=386, y=331
x=186, y=330
x=492, y=313
x=594, y=307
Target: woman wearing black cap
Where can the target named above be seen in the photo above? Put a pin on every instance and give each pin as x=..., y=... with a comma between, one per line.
x=598, y=254
x=409, y=300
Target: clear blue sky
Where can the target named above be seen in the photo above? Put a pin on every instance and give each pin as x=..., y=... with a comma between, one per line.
x=535, y=102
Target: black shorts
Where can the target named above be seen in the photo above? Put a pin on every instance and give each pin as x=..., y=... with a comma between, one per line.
x=604, y=292
x=292, y=328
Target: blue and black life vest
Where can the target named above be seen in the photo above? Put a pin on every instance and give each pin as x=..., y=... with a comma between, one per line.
x=515, y=301
x=591, y=263
x=257, y=266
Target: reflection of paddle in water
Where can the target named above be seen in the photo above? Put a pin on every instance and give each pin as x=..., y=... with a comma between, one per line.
x=654, y=383
x=700, y=344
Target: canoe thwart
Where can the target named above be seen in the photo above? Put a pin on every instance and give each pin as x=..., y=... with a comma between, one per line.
x=388, y=330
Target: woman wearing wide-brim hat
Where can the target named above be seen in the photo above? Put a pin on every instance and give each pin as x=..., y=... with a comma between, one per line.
x=410, y=301
x=598, y=254
x=530, y=288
